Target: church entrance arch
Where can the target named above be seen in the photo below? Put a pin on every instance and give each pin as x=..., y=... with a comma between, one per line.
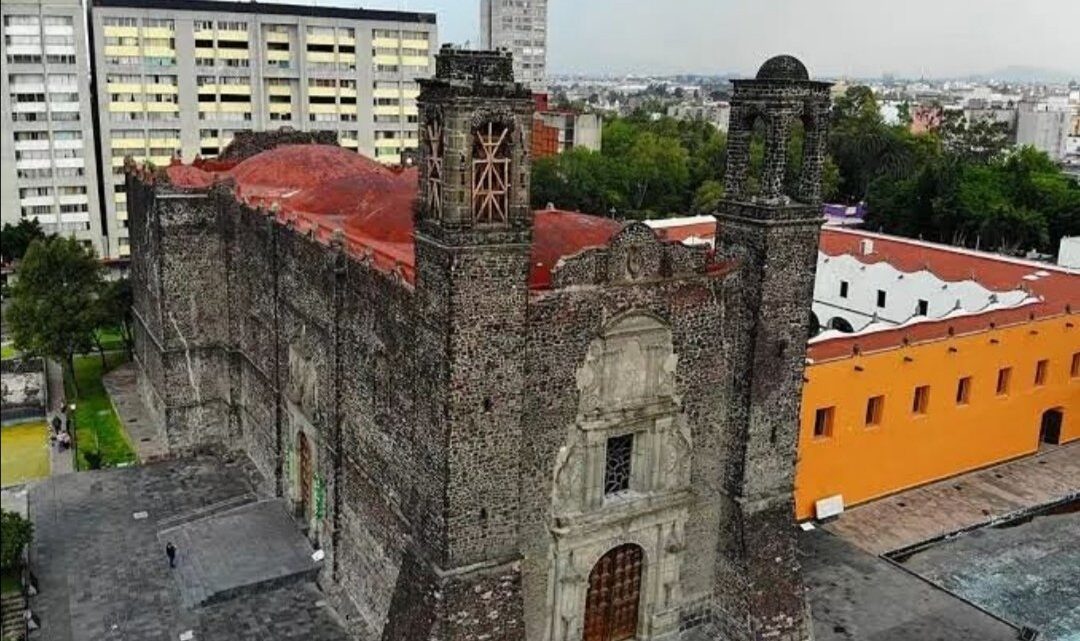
x=614, y=593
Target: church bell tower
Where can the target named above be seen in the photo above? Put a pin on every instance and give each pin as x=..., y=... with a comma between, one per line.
x=769, y=225
x=473, y=238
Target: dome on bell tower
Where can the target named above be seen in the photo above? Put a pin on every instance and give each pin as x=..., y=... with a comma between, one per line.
x=783, y=67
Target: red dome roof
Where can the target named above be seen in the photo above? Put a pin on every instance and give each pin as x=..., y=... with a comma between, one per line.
x=326, y=188
x=288, y=168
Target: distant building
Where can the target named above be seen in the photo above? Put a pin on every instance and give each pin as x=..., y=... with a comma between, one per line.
x=184, y=76
x=557, y=130
x=715, y=113
x=521, y=28
x=48, y=168
x=1045, y=126
x=1069, y=252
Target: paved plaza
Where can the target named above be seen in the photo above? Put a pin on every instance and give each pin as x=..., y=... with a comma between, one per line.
x=103, y=573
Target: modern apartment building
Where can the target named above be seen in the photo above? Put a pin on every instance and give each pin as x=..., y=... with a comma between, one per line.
x=521, y=27
x=48, y=169
x=182, y=76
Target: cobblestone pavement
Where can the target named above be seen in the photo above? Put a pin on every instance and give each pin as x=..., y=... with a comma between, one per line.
x=103, y=575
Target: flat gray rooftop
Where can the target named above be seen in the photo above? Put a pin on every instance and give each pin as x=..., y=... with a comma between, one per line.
x=1026, y=571
x=103, y=574
x=855, y=596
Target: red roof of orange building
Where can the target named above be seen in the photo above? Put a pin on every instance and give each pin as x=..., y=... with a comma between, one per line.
x=1058, y=291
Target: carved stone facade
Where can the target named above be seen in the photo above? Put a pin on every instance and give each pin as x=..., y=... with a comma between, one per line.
x=479, y=455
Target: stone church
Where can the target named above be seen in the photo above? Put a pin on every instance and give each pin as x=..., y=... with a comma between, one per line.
x=497, y=423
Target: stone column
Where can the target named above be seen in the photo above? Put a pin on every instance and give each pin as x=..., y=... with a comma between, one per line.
x=814, y=149
x=738, y=152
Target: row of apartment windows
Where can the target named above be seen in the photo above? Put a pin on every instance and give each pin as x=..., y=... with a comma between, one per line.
x=920, y=401
x=23, y=136
x=39, y=210
x=63, y=190
x=45, y=154
x=129, y=41
x=23, y=20
x=135, y=61
x=41, y=116
x=47, y=173
x=153, y=23
x=35, y=59
x=138, y=79
x=394, y=33
x=222, y=25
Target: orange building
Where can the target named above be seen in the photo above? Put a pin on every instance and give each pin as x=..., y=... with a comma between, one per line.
x=895, y=405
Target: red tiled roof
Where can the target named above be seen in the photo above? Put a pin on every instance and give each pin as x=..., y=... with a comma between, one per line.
x=1058, y=292
x=683, y=233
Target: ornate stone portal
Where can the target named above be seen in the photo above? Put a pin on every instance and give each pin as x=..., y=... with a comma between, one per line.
x=627, y=388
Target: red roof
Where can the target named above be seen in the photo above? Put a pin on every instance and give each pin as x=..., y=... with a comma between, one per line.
x=1058, y=291
x=327, y=188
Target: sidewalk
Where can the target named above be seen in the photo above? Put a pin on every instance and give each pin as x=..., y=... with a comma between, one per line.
x=146, y=435
x=984, y=496
x=59, y=462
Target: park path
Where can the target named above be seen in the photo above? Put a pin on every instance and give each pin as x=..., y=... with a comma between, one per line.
x=59, y=462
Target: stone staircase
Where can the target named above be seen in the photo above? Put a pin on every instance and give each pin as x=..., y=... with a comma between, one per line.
x=13, y=625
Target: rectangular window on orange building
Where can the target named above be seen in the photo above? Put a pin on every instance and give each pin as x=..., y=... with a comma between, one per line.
x=823, y=422
x=963, y=390
x=1004, y=378
x=921, y=401
x=1042, y=369
x=1074, y=369
x=875, y=406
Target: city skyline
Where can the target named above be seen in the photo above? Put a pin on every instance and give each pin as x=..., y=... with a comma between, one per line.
x=965, y=38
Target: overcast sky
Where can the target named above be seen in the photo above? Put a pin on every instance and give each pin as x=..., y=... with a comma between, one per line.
x=833, y=37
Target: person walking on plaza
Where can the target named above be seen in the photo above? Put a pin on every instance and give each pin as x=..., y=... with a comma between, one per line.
x=170, y=551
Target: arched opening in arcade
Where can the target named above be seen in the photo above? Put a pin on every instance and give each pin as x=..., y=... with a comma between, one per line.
x=841, y=324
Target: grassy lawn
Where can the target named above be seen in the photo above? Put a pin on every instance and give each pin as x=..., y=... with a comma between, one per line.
x=7, y=350
x=111, y=339
x=98, y=429
x=9, y=582
x=24, y=452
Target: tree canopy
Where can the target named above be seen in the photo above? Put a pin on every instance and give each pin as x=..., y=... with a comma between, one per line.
x=15, y=534
x=961, y=184
x=53, y=310
x=15, y=239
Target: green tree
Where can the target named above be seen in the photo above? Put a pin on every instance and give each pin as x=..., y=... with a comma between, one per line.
x=707, y=197
x=656, y=175
x=14, y=239
x=980, y=140
x=112, y=314
x=15, y=534
x=53, y=309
